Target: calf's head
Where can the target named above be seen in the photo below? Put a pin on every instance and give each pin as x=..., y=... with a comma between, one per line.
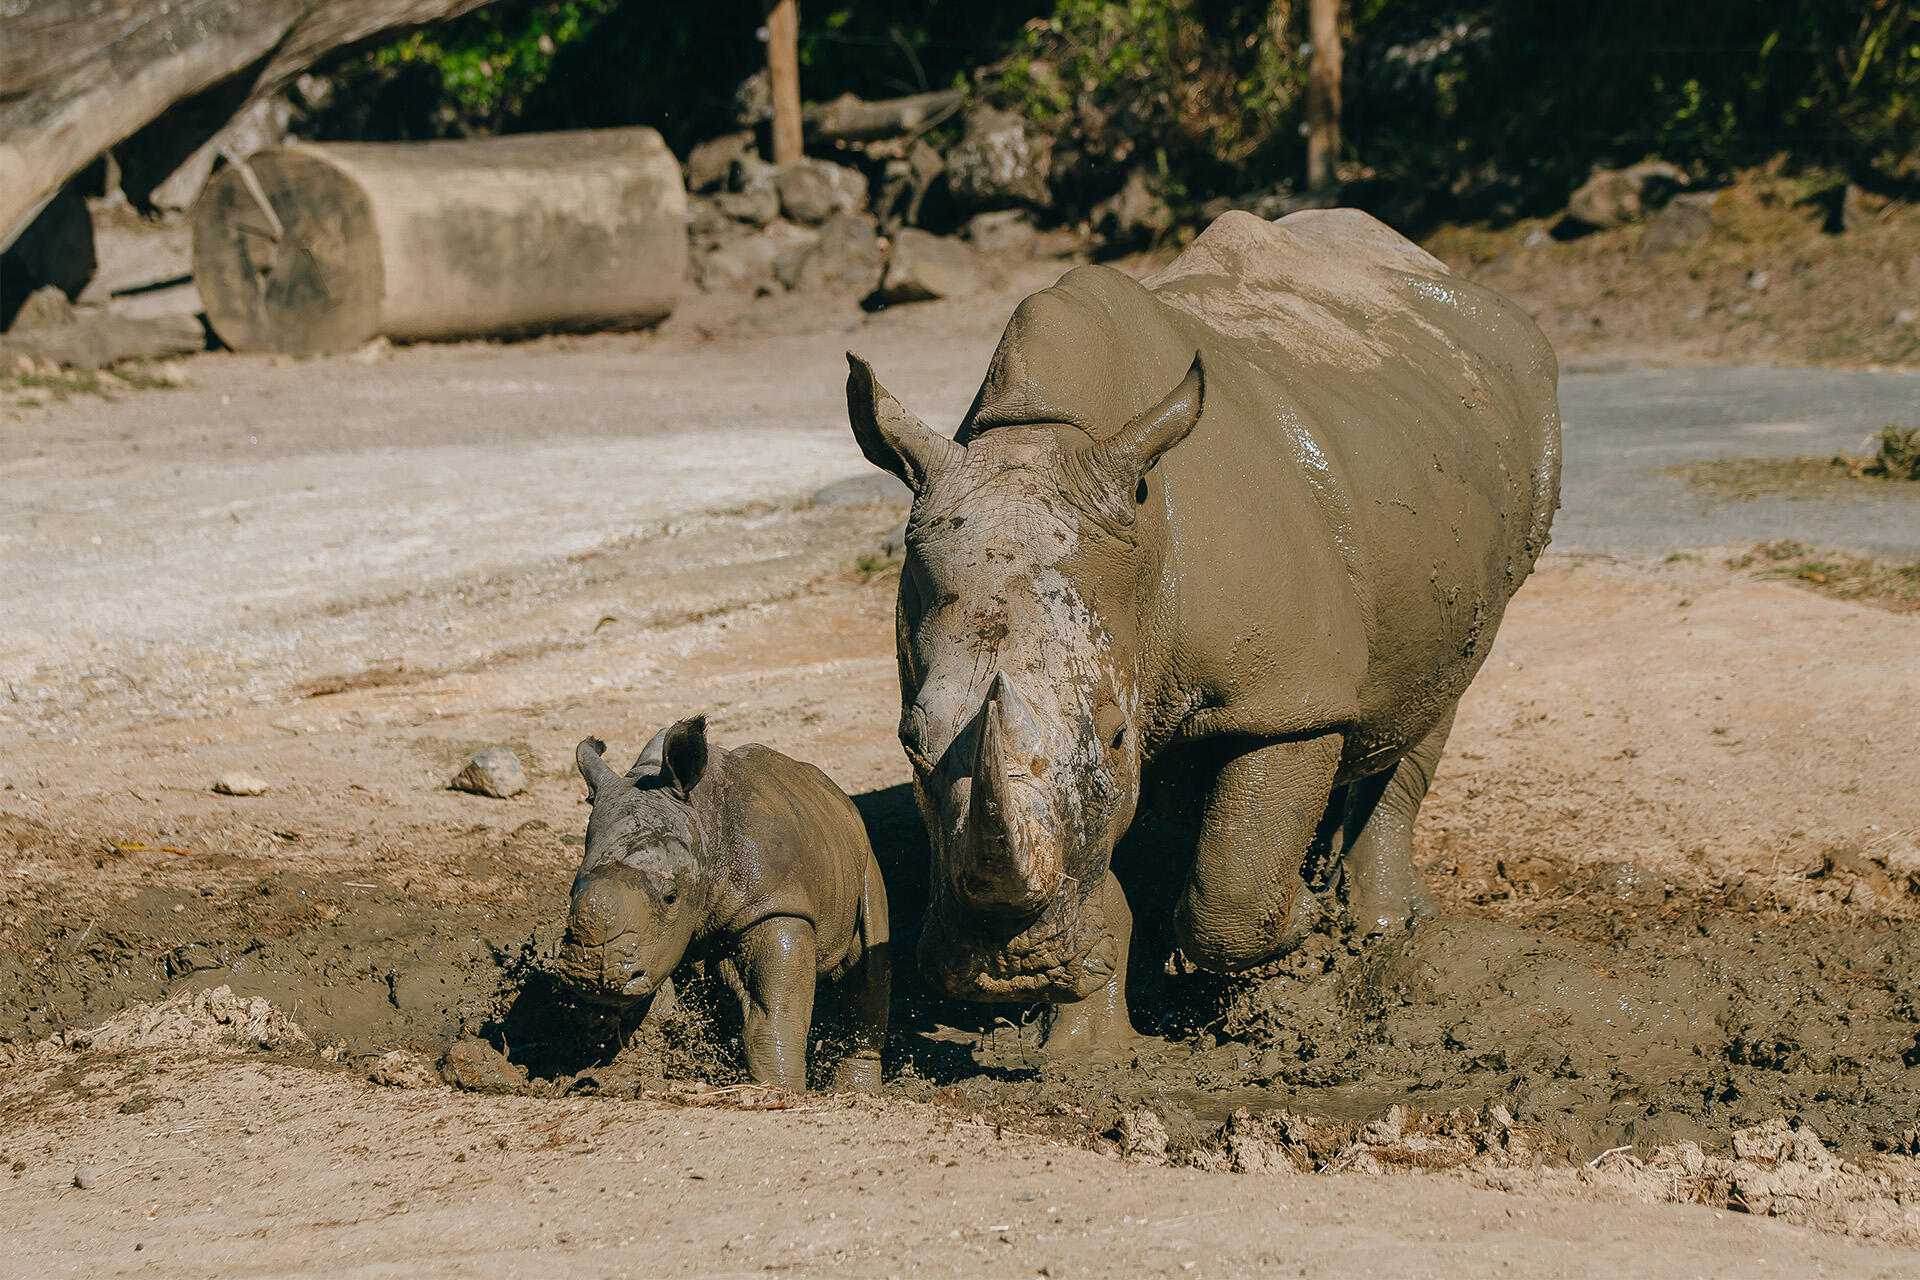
x=1030, y=563
x=641, y=890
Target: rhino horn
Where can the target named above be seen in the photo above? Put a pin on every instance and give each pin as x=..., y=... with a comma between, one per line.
x=892, y=438
x=1127, y=457
x=590, y=757
x=995, y=871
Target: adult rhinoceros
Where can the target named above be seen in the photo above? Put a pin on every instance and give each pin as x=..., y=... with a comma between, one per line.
x=1266, y=588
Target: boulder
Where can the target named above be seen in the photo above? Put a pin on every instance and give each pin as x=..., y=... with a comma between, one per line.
x=710, y=164
x=55, y=249
x=921, y=266
x=1133, y=217
x=997, y=163
x=906, y=182
x=751, y=195
x=705, y=221
x=45, y=308
x=811, y=191
x=847, y=253
x=1686, y=220
x=1612, y=197
x=1009, y=232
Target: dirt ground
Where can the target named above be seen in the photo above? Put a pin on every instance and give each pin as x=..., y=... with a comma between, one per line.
x=1676, y=839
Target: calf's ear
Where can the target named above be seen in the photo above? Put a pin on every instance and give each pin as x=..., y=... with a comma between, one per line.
x=893, y=439
x=683, y=756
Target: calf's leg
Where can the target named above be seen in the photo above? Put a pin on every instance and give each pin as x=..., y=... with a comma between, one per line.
x=865, y=990
x=774, y=966
x=1382, y=889
x=1259, y=821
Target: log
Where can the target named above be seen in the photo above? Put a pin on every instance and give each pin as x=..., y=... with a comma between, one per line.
x=311, y=248
x=850, y=119
x=79, y=76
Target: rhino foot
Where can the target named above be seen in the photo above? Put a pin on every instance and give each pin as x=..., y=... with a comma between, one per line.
x=1100, y=1022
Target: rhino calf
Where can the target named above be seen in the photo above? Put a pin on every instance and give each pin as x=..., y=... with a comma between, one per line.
x=753, y=862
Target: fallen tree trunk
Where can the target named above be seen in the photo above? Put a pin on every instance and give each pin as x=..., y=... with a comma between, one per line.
x=79, y=76
x=320, y=247
x=851, y=119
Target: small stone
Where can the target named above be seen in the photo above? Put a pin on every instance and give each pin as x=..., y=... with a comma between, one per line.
x=23, y=365
x=86, y=1177
x=170, y=373
x=922, y=266
x=1757, y=280
x=811, y=191
x=235, y=783
x=377, y=351
x=494, y=772
x=1906, y=318
x=869, y=490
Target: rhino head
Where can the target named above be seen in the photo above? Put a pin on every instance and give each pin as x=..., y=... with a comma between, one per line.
x=640, y=892
x=1033, y=553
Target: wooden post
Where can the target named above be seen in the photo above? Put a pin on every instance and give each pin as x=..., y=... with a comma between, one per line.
x=1323, y=93
x=783, y=77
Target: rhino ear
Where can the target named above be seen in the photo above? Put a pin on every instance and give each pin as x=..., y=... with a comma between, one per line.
x=1130, y=454
x=893, y=439
x=591, y=758
x=683, y=756
x=651, y=756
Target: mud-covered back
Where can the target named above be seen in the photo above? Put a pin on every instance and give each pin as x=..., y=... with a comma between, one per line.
x=1373, y=477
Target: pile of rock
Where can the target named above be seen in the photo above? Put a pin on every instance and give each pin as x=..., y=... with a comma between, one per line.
x=891, y=216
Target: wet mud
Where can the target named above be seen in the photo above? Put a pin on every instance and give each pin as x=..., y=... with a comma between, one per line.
x=1613, y=1009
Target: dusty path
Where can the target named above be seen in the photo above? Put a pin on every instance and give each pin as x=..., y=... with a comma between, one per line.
x=529, y=544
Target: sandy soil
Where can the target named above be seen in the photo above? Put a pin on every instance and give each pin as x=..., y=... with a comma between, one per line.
x=1675, y=837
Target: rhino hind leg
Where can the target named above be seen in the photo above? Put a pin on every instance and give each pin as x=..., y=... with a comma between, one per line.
x=1245, y=899
x=1101, y=1021
x=1377, y=876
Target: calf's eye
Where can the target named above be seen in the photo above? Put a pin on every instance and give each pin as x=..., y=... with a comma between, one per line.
x=671, y=898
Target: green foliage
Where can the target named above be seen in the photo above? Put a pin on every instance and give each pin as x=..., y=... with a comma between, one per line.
x=490, y=61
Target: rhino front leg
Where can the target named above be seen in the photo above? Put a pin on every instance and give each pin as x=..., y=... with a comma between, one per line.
x=1377, y=877
x=1101, y=1021
x=1260, y=820
x=775, y=965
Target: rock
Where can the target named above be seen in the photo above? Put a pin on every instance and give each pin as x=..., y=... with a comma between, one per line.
x=478, y=1066
x=921, y=266
x=235, y=783
x=1004, y=231
x=1132, y=217
x=45, y=308
x=906, y=183
x=1612, y=197
x=847, y=251
x=710, y=164
x=811, y=191
x=401, y=1070
x=757, y=205
x=705, y=221
x=97, y=339
x=997, y=163
x=869, y=490
x=86, y=1177
x=1686, y=220
x=753, y=100
x=376, y=350
x=1757, y=280
x=744, y=260
x=495, y=772
x=56, y=248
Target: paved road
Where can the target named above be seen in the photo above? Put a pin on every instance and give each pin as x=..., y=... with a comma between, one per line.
x=1626, y=427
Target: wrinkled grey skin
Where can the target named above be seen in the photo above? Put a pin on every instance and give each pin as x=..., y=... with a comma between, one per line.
x=1237, y=538
x=750, y=861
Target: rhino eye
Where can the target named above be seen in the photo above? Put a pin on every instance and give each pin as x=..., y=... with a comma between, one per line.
x=1111, y=725
x=1140, y=491
x=671, y=898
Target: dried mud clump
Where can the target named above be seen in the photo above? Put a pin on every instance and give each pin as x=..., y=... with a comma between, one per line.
x=1283, y=1142
x=204, y=1021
